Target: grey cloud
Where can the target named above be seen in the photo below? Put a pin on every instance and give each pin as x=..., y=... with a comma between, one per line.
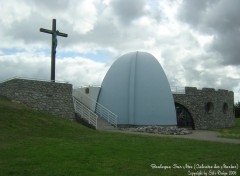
x=225, y=22
x=76, y=71
x=193, y=11
x=42, y=13
x=106, y=32
x=228, y=45
x=201, y=70
x=12, y=66
x=222, y=16
x=217, y=18
x=128, y=10
x=179, y=51
x=28, y=29
x=56, y=5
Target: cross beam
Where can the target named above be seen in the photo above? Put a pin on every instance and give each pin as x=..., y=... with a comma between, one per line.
x=54, y=33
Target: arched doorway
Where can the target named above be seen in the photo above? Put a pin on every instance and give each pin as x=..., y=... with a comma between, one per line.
x=184, y=117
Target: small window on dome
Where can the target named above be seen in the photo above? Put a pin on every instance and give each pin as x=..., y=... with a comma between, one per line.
x=87, y=90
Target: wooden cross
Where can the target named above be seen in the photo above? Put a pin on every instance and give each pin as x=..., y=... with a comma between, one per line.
x=54, y=33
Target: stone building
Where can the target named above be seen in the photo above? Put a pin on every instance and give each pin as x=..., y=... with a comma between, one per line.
x=137, y=91
x=204, y=109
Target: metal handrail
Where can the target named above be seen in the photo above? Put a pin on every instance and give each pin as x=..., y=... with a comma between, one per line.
x=106, y=114
x=90, y=85
x=177, y=90
x=32, y=79
x=102, y=111
x=85, y=112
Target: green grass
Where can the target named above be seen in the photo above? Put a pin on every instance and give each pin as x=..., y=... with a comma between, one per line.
x=233, y=132
x=36, y=144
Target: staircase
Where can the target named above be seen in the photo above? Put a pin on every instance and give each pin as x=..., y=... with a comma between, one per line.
x=104, y=125
x=103, y=119
x=85, y=113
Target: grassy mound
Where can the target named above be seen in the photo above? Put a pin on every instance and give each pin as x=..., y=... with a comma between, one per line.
x=34, y=143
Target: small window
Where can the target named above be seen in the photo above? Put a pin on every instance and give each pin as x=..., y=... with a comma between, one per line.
x=225, y=108
x=209, y=107
x=87, y=90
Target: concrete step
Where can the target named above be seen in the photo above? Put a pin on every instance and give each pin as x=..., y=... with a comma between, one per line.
x=102, y=124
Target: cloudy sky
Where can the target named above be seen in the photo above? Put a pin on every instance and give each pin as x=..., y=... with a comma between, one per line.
x=197, y=42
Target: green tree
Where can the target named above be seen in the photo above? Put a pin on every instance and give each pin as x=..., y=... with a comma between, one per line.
x=237, y=109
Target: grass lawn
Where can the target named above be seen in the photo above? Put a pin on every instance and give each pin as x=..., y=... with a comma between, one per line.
x=36, y=144
x=233, y=132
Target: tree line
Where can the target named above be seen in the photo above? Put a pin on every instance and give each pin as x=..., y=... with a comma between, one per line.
x=237, y=109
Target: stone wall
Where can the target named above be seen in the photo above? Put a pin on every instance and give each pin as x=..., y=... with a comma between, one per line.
x=51, y=97
x=209, y=108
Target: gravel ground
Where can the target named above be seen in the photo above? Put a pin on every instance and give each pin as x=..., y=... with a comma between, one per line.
x=196, y=135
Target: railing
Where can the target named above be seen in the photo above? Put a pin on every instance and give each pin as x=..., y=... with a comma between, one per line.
x=90, y=85
x=85, y=112
x=33, y=79
x=100, y=110
x=178, y=90
x=109, y=116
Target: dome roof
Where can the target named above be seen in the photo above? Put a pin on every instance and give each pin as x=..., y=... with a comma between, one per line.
x=137, y=90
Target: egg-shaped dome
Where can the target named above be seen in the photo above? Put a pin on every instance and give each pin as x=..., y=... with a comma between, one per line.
x=137, y=90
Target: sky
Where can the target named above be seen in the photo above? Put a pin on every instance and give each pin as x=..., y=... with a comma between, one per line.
x=197, y=42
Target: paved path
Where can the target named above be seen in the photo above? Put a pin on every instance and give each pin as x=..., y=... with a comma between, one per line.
x=197, y=135
x=208, y=136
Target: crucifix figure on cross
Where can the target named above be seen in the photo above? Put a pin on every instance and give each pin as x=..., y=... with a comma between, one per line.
x=54, y=33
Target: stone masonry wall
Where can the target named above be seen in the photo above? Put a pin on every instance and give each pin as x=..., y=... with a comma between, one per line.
x=51, y=97
x=209, y=108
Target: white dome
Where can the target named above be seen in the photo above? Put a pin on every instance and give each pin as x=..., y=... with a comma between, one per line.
x=137, y=90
